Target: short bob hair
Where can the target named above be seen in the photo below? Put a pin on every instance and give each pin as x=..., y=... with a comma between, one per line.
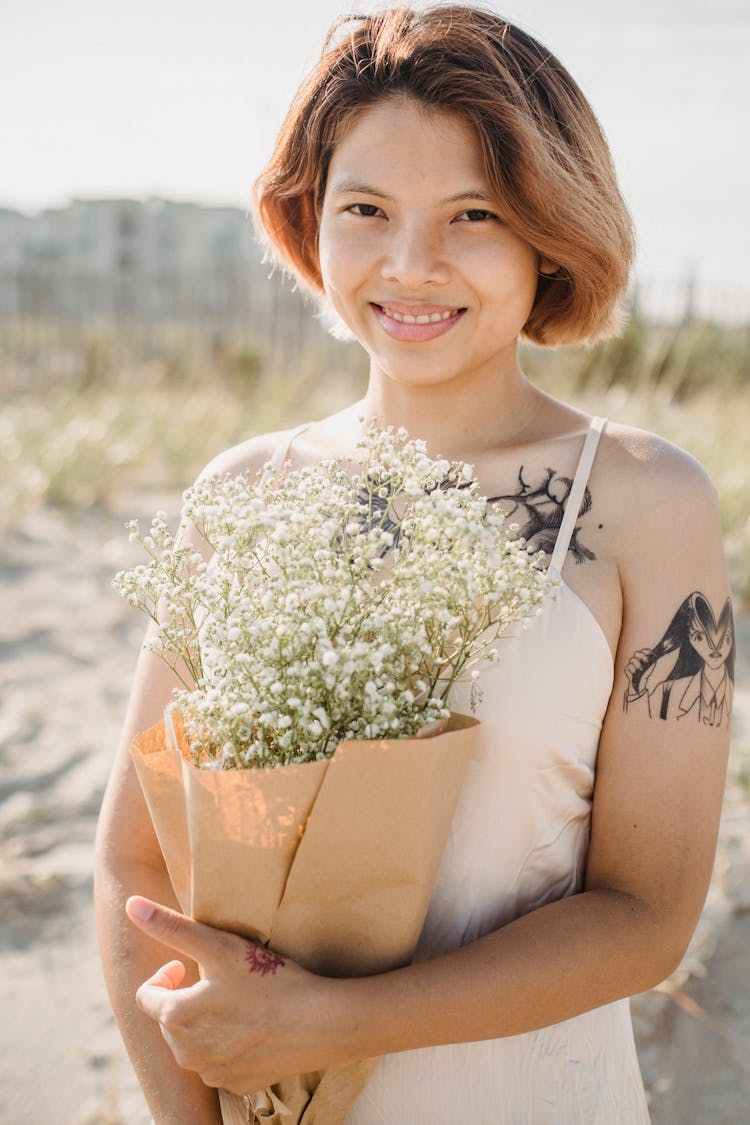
x=544, y=153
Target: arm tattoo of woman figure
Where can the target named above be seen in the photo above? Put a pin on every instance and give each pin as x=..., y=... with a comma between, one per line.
x=698, y=684
x=261, y=960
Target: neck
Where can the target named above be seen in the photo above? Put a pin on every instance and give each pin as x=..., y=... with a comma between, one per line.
x=458, y=419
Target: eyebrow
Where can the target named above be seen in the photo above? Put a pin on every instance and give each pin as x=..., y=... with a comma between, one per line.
x=366, y=189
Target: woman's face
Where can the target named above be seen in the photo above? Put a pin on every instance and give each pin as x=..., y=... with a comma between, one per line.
x=414, y=253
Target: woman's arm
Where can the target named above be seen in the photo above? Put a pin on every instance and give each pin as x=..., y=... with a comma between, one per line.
x=655, y=815
x=129, y=861
x=655, y=818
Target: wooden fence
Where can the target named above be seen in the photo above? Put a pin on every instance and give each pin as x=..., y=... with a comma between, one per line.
x=276, y=326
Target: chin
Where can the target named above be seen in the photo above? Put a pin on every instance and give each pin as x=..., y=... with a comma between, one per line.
x=416, y=375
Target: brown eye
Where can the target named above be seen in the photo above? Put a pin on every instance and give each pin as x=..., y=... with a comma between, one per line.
x=476, y=215
x=366, y=210
x=699, y=636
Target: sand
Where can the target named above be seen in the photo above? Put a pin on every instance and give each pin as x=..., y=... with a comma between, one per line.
x=67, y=642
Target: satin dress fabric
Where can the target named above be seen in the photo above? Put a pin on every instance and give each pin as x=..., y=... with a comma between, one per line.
x=519, y=840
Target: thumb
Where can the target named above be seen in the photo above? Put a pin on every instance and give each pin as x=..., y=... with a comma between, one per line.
x=169, y=976
x=201, y=943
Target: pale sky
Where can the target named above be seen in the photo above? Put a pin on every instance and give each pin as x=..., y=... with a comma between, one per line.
x=182, y=99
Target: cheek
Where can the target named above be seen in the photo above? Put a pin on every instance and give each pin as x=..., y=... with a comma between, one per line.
x=529, y=267
x=326, y=247
x=509, y=272
x=341, y=264
x=325, y=258
x=340, y=284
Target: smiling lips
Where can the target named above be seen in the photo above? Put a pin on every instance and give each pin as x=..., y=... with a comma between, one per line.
x=416, y=322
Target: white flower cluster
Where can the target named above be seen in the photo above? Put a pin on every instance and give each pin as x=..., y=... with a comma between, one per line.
x=337, y=604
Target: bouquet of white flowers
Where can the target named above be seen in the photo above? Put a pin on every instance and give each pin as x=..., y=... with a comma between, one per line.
x=339, y=607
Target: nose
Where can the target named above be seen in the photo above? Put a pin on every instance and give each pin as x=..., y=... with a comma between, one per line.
x=415, y=257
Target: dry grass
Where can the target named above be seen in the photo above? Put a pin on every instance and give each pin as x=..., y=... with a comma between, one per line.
x=714, y=425
x=106, y=423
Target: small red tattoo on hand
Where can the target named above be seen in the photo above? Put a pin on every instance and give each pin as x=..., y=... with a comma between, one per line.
x=263, y=960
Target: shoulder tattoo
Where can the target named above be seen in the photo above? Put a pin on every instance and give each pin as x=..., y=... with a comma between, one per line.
x=539, y=509
x=689, y=674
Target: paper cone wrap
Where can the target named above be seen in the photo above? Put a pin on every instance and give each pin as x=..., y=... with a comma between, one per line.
x=331, y=863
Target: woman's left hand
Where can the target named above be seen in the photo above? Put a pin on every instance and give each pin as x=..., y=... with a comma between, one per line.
x=254, y=1017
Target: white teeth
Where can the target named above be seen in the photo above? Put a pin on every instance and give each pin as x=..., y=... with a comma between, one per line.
x=425, y=318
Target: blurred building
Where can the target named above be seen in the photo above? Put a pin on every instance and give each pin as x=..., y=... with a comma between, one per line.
x=123, y=258
x=156, y=260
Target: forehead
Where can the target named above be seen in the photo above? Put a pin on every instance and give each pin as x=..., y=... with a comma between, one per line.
x=402, y=141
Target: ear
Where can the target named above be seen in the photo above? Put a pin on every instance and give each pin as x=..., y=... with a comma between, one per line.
x=547, y=266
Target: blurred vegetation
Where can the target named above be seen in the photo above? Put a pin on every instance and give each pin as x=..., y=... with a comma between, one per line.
x=89, y=423
x=86, y=425
x=688, y=382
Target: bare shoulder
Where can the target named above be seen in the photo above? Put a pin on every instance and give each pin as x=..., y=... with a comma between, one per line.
x=650, y=456
x=664, y=513
x=334, y=436
x=249, y=456
x=648, y=480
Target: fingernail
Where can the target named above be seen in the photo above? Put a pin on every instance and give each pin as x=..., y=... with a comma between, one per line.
x=141, y=909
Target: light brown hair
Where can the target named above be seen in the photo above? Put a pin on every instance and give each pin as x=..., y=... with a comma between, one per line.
x=544, y=153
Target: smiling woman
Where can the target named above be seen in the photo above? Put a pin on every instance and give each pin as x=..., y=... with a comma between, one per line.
x=413, y=234
x=443, y=182
x=540, y=156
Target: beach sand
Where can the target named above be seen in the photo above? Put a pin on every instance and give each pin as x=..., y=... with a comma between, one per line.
x=68, y=644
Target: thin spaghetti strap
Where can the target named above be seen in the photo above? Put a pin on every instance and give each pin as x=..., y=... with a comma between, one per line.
x=575, y=497
x=281, y=452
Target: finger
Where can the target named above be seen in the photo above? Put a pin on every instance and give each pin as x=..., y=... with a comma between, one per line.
x=152, y=1000
x=201, y=943
x=154, y=994
x=169, y=976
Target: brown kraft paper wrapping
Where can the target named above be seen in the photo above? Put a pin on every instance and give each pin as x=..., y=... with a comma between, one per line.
x=331, y=863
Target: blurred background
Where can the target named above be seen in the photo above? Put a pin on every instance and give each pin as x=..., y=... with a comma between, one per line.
x=141, y=333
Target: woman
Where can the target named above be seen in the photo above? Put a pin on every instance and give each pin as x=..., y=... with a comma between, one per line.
x=442, y=180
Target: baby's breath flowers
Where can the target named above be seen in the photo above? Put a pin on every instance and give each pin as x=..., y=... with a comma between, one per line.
x=339, y=602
